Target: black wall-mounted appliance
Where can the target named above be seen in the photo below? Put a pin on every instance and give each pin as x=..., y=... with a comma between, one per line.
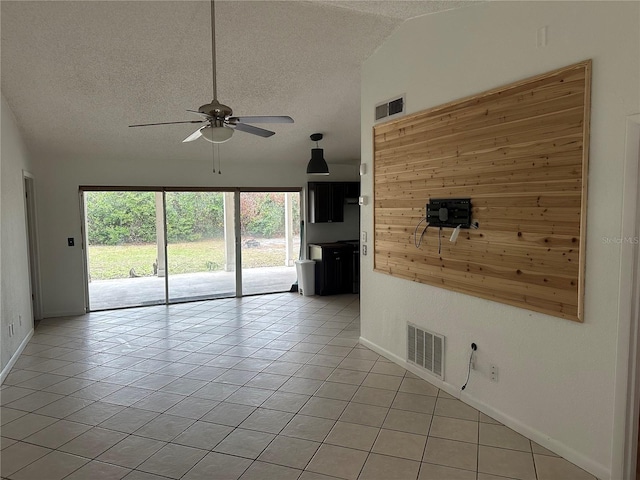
x=449, y=212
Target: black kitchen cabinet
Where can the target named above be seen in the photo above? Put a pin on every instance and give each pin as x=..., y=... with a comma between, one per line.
x=337, y=267
x=326, y=202
x=352, y=191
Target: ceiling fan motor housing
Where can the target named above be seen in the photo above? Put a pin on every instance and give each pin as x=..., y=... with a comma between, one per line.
x=216, y=110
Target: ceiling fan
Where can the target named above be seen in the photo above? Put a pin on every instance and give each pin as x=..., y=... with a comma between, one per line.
x=219, y=122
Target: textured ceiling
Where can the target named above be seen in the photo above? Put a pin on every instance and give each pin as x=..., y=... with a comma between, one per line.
x=76, y=73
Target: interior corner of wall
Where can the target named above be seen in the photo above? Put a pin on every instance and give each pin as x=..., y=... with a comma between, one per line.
x=14, y=358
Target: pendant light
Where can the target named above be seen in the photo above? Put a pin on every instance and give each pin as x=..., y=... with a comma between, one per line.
x=317, y=165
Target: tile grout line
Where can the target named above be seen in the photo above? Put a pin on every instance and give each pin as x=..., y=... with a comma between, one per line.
x=478, y=450
x=380, y=429
x=296, y=325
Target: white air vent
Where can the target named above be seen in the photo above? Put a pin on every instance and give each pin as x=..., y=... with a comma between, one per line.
x=390, y=108
x=426, y=349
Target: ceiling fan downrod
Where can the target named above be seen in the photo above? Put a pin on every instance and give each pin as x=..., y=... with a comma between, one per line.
x=213, y=49
x=218, y=120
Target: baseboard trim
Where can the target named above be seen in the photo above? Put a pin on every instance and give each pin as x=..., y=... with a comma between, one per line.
x=62, y=314
x=15, y=356
x=595, y=468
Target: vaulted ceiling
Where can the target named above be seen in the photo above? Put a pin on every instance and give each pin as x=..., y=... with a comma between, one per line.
x=77, y=73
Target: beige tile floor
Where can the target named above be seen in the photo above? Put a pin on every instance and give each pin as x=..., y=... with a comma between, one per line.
x=266, y=387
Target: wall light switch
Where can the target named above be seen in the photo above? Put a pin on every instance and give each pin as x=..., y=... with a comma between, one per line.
x=362, y=200
x=541, y=37
x=71, y=242
x=364, y=236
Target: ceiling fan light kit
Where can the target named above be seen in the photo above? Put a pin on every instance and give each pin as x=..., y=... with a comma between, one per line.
x=216, y=134
x=219, y=124
x=317, y=165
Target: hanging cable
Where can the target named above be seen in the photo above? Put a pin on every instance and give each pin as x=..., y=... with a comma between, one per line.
x=418, y=241
x=474, y=347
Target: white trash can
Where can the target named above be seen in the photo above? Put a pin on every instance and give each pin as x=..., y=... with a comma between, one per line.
x=306, y=271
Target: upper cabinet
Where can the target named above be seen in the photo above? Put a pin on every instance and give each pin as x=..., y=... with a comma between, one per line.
x=327, y=199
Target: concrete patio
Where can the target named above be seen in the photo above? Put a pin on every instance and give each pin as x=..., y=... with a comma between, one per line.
x=130, y=292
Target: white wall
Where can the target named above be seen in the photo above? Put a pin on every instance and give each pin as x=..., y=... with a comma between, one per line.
x=556, y=377
x=14, y=268
x=62, y=274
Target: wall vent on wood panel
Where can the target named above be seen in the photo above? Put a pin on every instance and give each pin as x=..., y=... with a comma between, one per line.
x=426, y=349
x=390, y=108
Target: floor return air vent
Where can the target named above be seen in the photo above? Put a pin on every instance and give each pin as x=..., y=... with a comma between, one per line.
x=425, y=349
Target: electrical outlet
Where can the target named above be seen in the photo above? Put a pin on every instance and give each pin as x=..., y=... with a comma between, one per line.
x=364, y=250
x=494, y=373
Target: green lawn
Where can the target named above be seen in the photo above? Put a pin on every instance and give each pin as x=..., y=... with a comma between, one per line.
x=108, y=262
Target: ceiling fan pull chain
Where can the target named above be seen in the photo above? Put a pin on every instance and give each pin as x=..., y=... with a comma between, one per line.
x=213, y=156
x=217, y=145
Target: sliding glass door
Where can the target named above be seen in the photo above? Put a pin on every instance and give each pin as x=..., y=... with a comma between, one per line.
x=122, y=249
x=200, y=246
x=169, y=246
x=270, y=242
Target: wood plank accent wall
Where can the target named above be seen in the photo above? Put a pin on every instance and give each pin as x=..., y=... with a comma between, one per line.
x=520, y=153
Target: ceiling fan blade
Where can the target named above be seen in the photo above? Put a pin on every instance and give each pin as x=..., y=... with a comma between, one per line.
x=243, y=127
x=194, y=136
x=165, y=123
x=262, y=119
x=199, y=113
